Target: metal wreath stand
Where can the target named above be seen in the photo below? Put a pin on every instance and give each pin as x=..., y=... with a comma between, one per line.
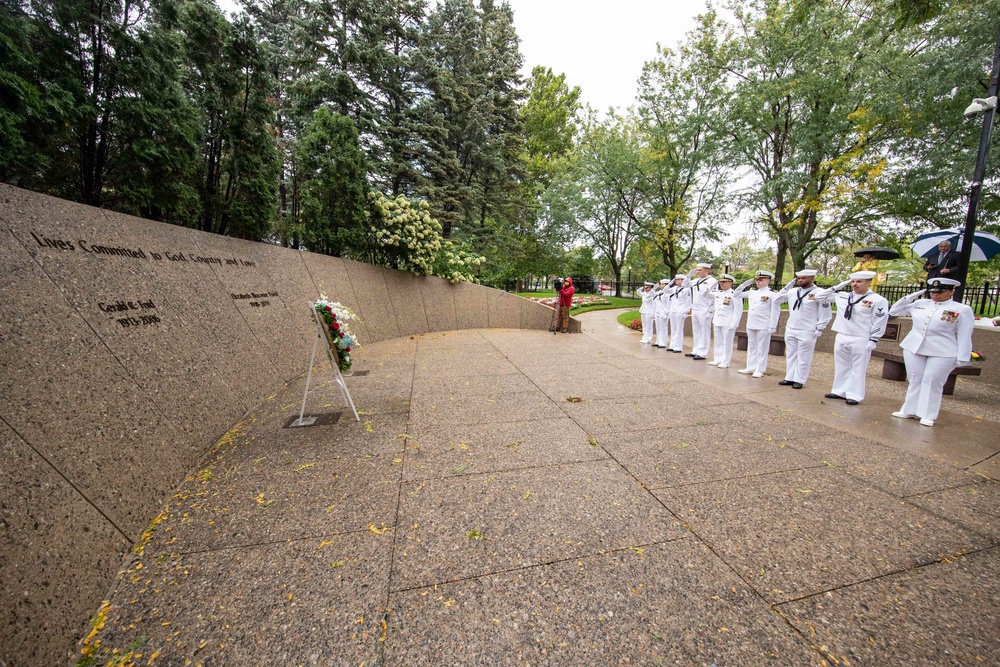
x=322, y=333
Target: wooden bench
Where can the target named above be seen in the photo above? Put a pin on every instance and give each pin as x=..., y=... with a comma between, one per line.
x=777, y=346
x=893, y=368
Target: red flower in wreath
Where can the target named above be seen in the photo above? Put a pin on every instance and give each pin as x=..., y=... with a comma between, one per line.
x=336, y=327
x=347, y=349
x=329, y=309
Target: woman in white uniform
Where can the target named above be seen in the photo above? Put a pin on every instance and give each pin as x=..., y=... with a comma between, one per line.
x=940, y=340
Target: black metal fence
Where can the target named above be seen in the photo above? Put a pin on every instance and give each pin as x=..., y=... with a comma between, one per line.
x=983, y=299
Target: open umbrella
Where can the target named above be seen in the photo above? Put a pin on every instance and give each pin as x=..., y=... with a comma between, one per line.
x=878, y=253
x=984, y=244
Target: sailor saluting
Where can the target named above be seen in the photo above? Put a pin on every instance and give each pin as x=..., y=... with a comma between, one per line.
x=940, y=340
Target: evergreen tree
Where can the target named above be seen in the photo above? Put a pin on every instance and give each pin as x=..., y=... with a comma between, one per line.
x=334, y=188
x=227, y=80
x=469, y=62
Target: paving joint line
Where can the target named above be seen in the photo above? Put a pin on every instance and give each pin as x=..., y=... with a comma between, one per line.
x=501, y=470
x=736, y=477
x=533, y=566
x=396, y=533
x=912, y=568
x=252, y=545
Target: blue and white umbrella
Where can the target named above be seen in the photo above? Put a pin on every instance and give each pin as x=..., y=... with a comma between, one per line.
x=984, y=244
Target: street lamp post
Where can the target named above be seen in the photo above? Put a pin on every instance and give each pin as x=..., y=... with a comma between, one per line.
x=980, y=173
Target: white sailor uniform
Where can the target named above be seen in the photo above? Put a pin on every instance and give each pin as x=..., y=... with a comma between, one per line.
x=725, y=319
x=759, y=327
x=941, y=338
x=807, y=318
x=680, y=306
x=661, y=313
x=702, y=309
x=859, y=323
x=646, y=311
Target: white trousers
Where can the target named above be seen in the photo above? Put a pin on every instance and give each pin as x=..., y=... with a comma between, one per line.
x=926, y=376
x=661, y=330
x=724, y=345
x=701, y=327
x=677, y=331
x=799, y=347
x=850, y=363
x=758, y=342
x=647, y=328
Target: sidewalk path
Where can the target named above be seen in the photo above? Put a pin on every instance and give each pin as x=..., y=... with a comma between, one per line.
x=523, y=498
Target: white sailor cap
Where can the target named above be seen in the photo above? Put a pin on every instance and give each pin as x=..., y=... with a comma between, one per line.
x=862, y=275
x=664, y=281
x=725, y=276
x=648, y=284
x=805, y=273
x=942, y=284
x=703, y=265
x=680, y=276
x=764, y=274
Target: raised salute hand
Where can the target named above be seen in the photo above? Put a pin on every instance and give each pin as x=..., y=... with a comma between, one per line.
x=743, y=285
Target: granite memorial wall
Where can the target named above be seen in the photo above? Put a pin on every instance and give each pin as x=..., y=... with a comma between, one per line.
x=127, y=349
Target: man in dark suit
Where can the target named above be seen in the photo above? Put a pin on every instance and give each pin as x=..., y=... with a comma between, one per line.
x=944, y=264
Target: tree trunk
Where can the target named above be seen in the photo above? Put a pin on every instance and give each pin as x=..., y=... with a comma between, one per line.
x=779, y=267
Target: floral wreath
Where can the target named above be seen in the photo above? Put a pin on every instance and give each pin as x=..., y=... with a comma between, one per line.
x=335, y=317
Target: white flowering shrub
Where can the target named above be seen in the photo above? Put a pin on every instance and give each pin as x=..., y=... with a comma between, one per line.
x=405, y=232
x=408, y=238
x=458, y=263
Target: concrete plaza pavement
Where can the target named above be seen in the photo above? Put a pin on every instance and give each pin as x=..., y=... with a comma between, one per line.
x=523, y=498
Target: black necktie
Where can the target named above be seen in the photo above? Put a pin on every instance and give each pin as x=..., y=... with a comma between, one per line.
x=802, y=295
x=850, y=305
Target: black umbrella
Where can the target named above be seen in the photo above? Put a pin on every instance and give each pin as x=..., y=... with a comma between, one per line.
x=878, y=253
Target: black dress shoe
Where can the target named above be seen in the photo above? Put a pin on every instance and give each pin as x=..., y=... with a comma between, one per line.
x=697, y=357
x=796, y=385
x=689, y=354
x=834, y=396
x=851, y=401
x=784, y=383
x=677, y=351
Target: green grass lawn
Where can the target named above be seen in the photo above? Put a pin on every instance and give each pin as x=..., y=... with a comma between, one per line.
x=615, y=301
x=628, y=317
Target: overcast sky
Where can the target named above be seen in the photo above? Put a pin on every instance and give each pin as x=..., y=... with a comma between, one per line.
x=600, y=46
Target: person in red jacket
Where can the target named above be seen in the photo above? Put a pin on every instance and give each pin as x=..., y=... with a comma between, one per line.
x=565, y=303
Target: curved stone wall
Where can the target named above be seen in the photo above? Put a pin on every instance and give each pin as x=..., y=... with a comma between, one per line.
x=127, y=348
